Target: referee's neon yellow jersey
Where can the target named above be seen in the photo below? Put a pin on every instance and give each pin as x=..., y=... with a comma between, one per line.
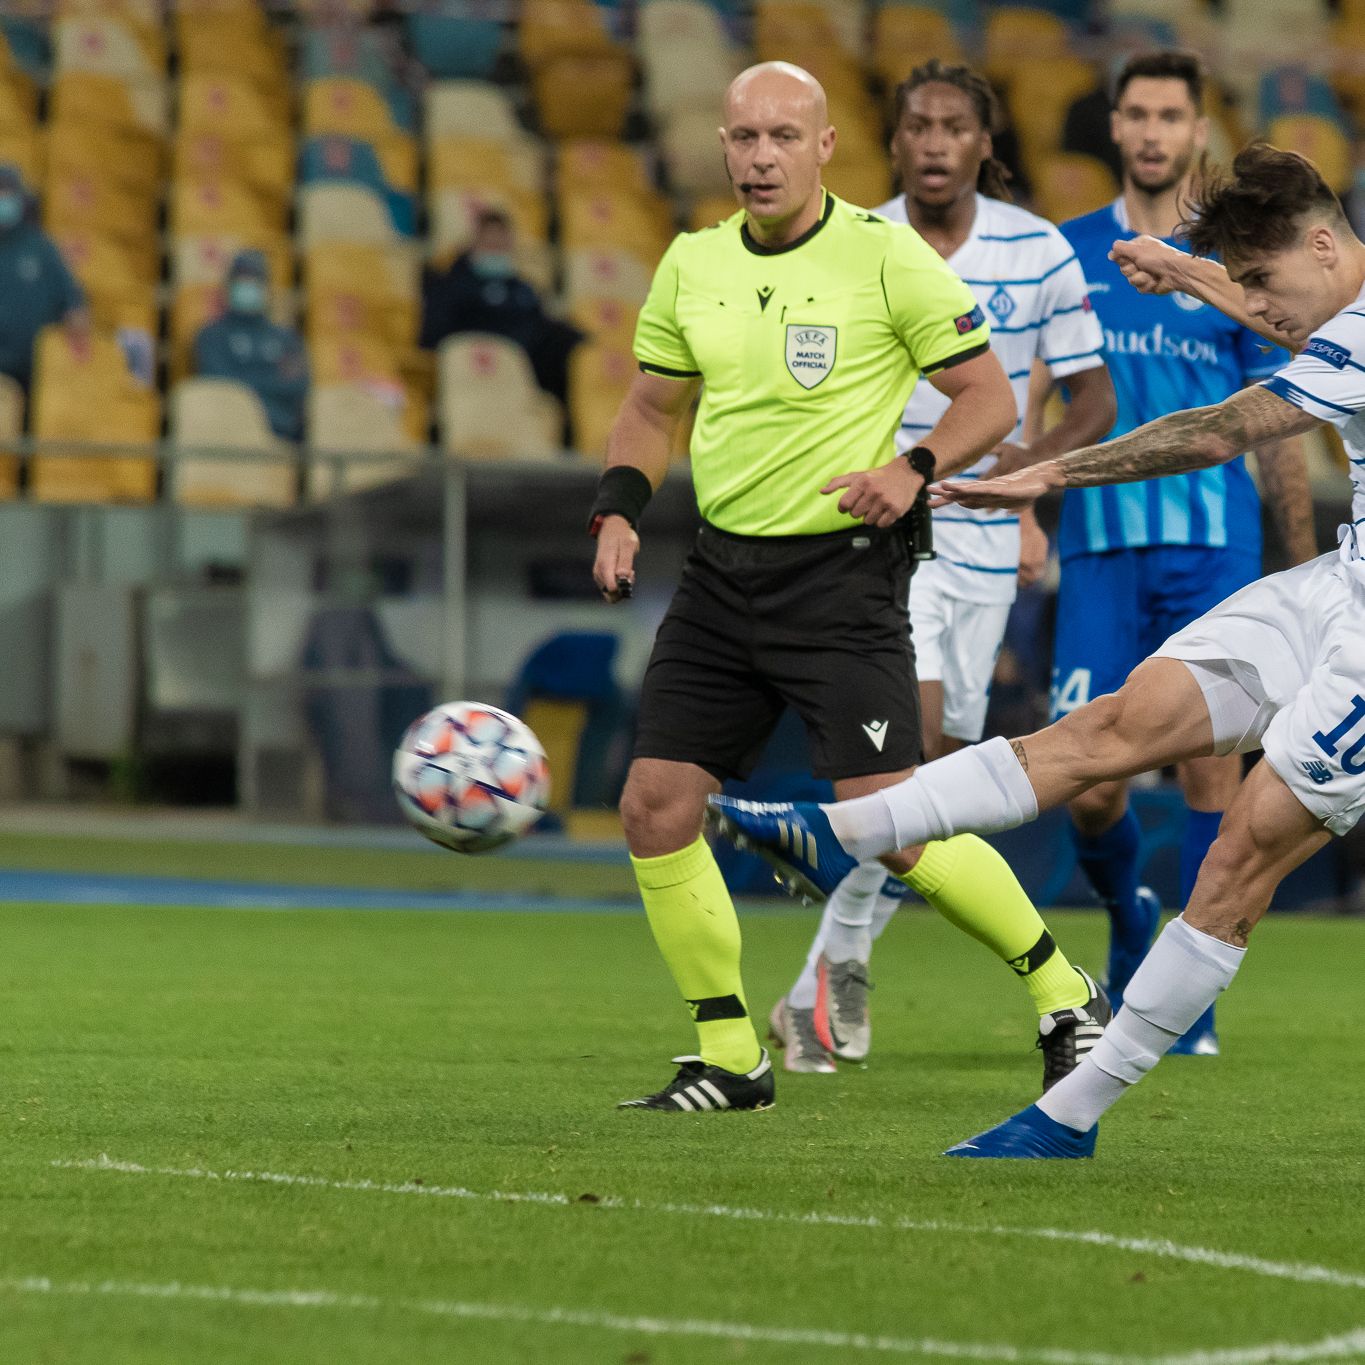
x=807, y=354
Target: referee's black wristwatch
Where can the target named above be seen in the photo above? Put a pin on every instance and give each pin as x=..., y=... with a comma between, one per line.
x=922, y=461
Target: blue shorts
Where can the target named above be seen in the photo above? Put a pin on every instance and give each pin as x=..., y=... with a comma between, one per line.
x=1115, y=609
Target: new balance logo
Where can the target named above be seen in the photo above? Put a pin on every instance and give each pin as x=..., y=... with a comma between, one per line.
x=1317, y=771
x=876, y=730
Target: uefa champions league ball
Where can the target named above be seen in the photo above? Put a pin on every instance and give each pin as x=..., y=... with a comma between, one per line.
x=470, y=777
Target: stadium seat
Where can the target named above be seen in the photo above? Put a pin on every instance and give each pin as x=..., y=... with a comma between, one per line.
x=217, y=415
x=24, y=46
x=461, y=108
x=11, y=430
x=387, y=272
x=551, y=29
x=118, y=155
x=694, y=160
x=600, y=374
x=107, y=46
x=607, y=273
x=1040, y=93
x=356, y=52
x=451, y=215
x=345, y=160
x=18, y=102
x=607, y=320
x=559, y=83
x=592, y=164
x=109, y=264
x=264, y=165
x=1068, y=184
x=192, y=307
x=845, y=21
x=204, y=258
x=346, y=311
x=710, y=210
x=220, y=206
x=346, y=419
x=1021, y=34
x=23, y=148
x=903, y=36
x=1321, y=140
x=472, y=162
x=84, y=97
x=217, y=45
x=489, y=405
x=455, y=45
x=88, y=396
x=375, y=365
x=610, y=220
x=342, y=213
x=1294, y=90
x=861, y=180
x=670, y=30
x=231, y=106
x=71, y=202
x=349, y=108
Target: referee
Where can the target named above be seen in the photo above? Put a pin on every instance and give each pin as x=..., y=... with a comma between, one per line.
x=806, y=322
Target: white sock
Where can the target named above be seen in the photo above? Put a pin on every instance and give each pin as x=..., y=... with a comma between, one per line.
x=885, y=907
x=980, y=790
x=1185, y=971
x=845, y=931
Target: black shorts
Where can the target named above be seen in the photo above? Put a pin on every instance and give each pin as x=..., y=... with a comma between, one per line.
x=819, y=623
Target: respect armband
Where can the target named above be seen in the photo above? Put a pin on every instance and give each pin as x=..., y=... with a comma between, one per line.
x=622, y=491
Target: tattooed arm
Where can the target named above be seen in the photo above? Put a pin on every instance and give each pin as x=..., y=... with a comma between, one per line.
x=1287, y=493
x=1177, y=444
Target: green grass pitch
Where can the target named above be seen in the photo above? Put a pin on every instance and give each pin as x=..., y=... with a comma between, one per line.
x=402, y=1074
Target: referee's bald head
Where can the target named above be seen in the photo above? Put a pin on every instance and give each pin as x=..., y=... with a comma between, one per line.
x=776, y=138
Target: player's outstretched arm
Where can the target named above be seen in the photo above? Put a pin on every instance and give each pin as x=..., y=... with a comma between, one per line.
x=640, y=440
x=1152, y=266
x=1176, y=444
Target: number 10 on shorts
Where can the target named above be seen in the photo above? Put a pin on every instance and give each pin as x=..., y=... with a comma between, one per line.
x=1353, y=760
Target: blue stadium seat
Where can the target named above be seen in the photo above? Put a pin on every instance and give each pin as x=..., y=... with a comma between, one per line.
x=1292, y=90
x=349, y=160
x=360, y=55
x=451, y=46
x=28, y=45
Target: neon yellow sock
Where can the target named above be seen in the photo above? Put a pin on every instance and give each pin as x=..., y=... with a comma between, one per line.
x=697, y=930
x=972, y=887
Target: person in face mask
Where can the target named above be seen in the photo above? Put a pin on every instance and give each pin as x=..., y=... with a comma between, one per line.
x=480, y=291
x=36, y=286
x=244, y=345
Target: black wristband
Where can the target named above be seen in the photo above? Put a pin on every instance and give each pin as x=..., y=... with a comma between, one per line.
x=622, y=491
x=922, y=461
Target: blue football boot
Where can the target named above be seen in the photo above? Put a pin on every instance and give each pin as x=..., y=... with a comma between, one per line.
x=1029, y=1135
x=795, y=840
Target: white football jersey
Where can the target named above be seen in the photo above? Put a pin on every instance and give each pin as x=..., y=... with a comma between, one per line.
x=1327, y=379
x=1027, y=279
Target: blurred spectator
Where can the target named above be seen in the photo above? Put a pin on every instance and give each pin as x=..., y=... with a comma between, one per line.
x=245, y=346
x=480, y=291
x=36, y=287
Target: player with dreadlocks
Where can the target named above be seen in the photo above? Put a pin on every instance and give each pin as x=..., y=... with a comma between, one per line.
x=1026, y=278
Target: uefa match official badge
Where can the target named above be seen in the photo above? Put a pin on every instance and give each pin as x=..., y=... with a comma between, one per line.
x=810, y=352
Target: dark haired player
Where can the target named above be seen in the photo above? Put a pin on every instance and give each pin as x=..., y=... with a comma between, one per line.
x=1279, y=666
x=1026, y=278
x=807, y=323
x=1142, y=560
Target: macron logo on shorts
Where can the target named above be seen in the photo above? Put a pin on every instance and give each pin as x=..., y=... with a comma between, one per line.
x=876, y=730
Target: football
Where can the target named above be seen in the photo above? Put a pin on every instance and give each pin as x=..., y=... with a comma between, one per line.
x=471, y=777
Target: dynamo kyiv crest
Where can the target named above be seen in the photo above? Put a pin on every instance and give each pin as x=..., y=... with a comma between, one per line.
x=810, y=352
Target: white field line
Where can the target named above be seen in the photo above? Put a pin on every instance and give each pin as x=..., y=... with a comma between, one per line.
x=1345, y=1346
x=1299, y=1272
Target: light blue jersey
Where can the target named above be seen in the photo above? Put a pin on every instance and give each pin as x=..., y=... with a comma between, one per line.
x=1165, y=353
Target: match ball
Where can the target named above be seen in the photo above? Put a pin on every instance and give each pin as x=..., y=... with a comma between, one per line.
x=470, y=776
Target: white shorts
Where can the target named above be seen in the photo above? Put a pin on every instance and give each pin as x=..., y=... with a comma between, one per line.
x=1282, y=667
x=956, y=644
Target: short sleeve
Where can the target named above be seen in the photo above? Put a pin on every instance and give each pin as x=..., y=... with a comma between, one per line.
x=933, y=312
x=1327, y=378
x=1259, y=358
x=1070, y=339
x=660, y=346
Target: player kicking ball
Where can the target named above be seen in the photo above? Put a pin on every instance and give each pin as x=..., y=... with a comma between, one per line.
x=1279, y=666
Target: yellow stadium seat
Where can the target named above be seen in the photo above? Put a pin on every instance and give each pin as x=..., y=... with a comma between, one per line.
x=711, y=209
x=144, y=14
x=208, y=207
x=11, y=429
x=1022, y=34
x=463, y=108
x=348, y=310
x=347, y=419
x=119, y=155
x=342, y=213
x=377, y=273
x=399, y=161
x=843, y=20
x=451, y=215
x=865, y=181
x=266, y=164
x=1320, y=140
x=782, y=25
x=559, y=83
x=107, y=46
x=23, y=148
x=688, y=145
x=217, y=415
x=605, y=320
x=1068, y=184
x=607, y=273
x=591, y=164
x=100, y=261
x=489, y=405
x=600, y=375
x=904, y=36
x=225, y=48
x=71, y=202
x=230, y=106
x=357, y=358
x=204, y=258
x=550, y=29
x=18, y=102
x=346, y=107
x=86, y=97
x=193, y=307
x=597, y=220
x=467, y=162
x=1040, y=94
x=87, y=395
